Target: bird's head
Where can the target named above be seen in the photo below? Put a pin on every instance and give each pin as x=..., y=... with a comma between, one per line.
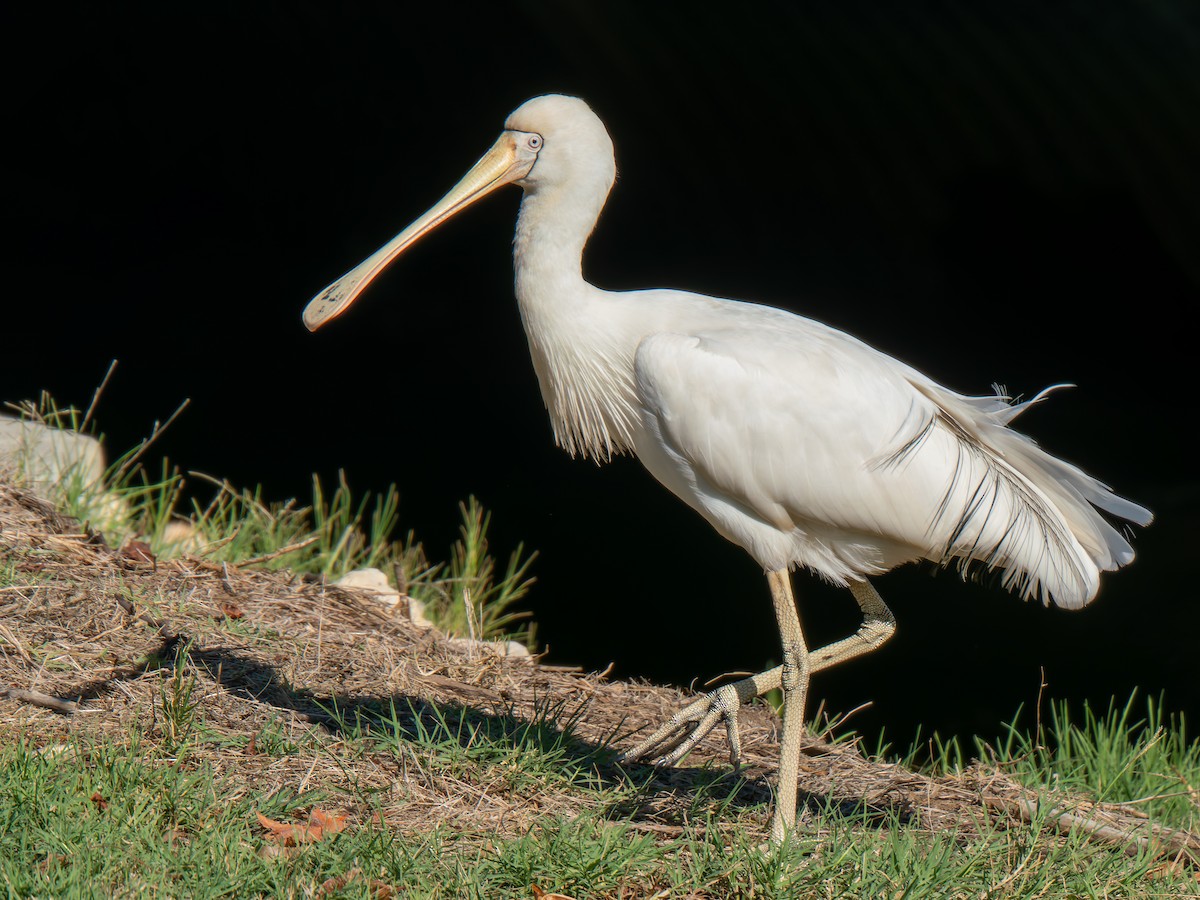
x=574, y=142
x=549, y=141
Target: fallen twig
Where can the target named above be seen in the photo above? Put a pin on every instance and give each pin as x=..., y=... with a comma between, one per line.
x=475, y=692
x=282, y=551
x=1175, y=842
x=37, y=698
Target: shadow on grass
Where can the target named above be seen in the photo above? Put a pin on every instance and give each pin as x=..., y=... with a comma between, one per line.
x=490, y=734
x=664, y=796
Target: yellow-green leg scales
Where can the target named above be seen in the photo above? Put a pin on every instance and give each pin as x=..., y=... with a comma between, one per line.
x=683, y=731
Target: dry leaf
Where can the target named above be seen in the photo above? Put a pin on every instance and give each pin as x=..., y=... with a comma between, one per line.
x=289, y=835
x=101, y=803
x=51, y=861
x=331, y=823
x=138, y=552
x=231, y=611
x=320, y=824
x=338, y=882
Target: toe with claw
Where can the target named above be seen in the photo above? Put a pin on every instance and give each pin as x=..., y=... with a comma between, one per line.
x=688, y=727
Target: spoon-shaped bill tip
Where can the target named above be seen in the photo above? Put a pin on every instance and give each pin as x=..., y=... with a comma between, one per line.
x=509, y=160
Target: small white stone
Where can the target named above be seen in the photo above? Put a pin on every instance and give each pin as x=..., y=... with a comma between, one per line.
x=40, y=456
x=182, y=536
x=372, y=581
x=492, y=648
x=515, y=648
x=63, y=467
x=416, y=613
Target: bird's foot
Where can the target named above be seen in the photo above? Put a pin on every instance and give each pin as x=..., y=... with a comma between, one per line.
x=680, y=734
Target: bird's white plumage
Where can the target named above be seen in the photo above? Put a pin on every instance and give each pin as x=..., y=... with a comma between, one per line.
x=794, y=440
x=847, y=466
x=809, y=448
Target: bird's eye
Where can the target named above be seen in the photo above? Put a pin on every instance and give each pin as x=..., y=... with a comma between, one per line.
x=534, y=142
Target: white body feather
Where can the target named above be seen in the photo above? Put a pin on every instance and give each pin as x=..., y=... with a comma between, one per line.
x=794, y=440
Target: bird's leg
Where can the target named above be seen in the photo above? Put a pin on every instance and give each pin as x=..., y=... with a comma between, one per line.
x=878, y=625
x=680, y=734
x=794, y=679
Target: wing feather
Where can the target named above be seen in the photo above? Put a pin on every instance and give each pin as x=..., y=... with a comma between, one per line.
x=808, y=444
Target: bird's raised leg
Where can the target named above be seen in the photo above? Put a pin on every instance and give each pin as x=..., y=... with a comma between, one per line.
x=680, y=734
x=878, y=625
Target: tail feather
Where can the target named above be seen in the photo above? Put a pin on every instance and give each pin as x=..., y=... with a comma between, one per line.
x=1050, y=539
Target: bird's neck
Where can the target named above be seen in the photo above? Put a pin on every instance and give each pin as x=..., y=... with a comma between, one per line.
x=552, y=229
x=583, y=359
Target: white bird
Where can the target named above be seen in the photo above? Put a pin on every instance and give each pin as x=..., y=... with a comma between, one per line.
x=797, y=442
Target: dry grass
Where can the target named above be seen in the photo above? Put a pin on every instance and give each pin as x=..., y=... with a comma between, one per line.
x=288, y=683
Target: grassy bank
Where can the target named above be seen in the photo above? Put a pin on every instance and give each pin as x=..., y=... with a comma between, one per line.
x=189, y=706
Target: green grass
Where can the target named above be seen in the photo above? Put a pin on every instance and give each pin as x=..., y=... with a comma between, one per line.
x=133, y=817
x=1131, y=754
x=170, y=808
x=9, y=576
x=332, y=535
x=153, y=828
x=523, y=754
x=468, y=599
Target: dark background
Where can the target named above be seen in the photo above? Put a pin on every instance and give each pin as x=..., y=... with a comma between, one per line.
x=992, y=192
